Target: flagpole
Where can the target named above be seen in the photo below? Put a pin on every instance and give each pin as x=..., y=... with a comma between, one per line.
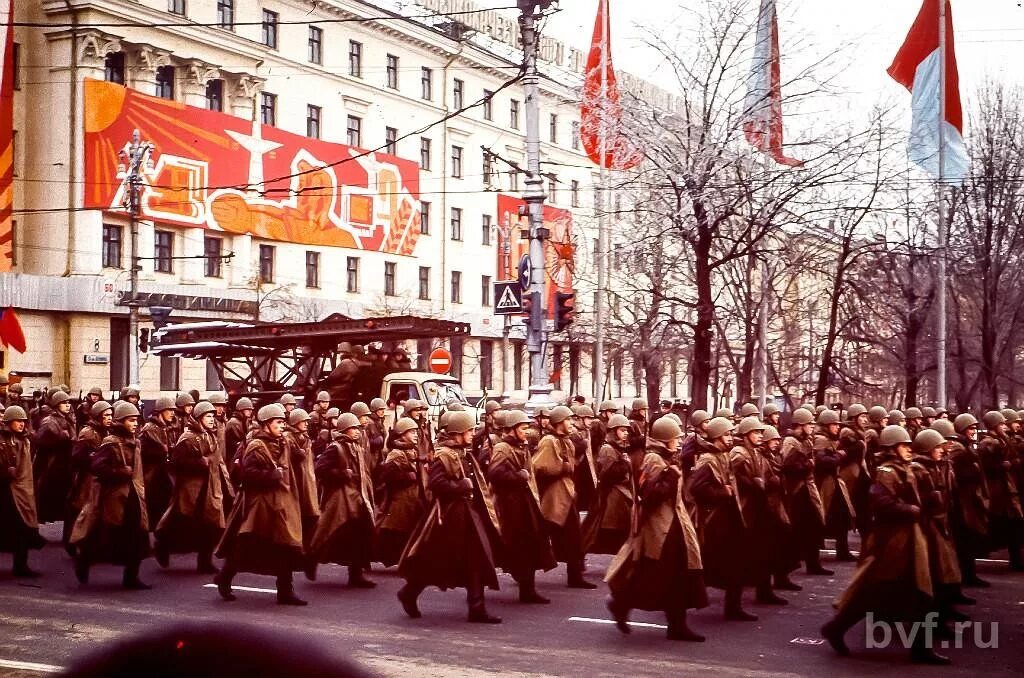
x=940, y=381
x=600, y=299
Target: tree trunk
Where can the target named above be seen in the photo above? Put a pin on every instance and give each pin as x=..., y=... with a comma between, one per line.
x=825, y=369
x=700, y=367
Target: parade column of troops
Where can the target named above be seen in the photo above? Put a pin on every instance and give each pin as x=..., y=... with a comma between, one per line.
x=731, y=504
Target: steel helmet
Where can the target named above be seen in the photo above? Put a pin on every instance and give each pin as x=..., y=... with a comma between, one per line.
x=928, y=412
x=183, y=400
x=855, y=410
x=771, y=433
x=411, y=405
x=456, y=407
x=913, y=413
x=893, y=435
x=674, y=417
x=403, y=426
x=819, y=409
x=98, y=408
x=896, y=416
x=16, y=388
x=332, y=412
x=927, y=440
x=620, y=421
x=244, y=404
x=124, y=411
x=58, y=398
x=95, y=390
x=749, y=410
x=559, y=414
x=993, y=419
x=810, y=408
x=442, y=421
x=15, y=413
x=664, y=430
x=718, y=427
x=828, y=417
x=347, y=421
x=270, y=412
x=491, y=406
x=323, y=397
x=287, y=399
x=639, y=404
x=378, y=404
x=218, y=398
x=723, y=412
x=1009, y=415
x=164, y=403
x=359, y=408
x=877, y=413
x=698, y=417
x=585, y=411
x=460, y=422
x=944, y=427
x=205, y=407
x=297, y=415
x=131, y=391
x=748, y=424
x=802, y=417
x=514, y=418
x=770, y=409
x=608, y=406
x=964, y=421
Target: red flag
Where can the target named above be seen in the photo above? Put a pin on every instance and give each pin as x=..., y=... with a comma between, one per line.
x=763, y=116
x=6, y=134
x=11, y=333
x=601, y=115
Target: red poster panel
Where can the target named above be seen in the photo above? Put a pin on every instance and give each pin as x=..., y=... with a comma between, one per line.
x=216, y=171
x=6, y=134
x=513, y=244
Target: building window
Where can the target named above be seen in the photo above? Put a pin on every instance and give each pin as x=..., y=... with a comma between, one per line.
x=488, y=169
x=424, y=153
x=424, y=217
x=553, y=188
x=485, y=230
x=553, y=128
x=488, y=105
x=354, y=131
x=268, y=108
x=458, y=93
x=313, y=121
x=165, y=82
x=170, y=373
x=392, y=72
x=427, y=83
x=215, y=95
x=267, y=255
x=457, y=162
x=389, y=278
x=270, y=28
x=112, y=246
x=485, y=290
x=212, y=248
x=163, y=251
x=517, y=365
x=391, y=140
x=513, y=180
x=226, y=14
x=513, y=114
x=176, y=7
x=457, y=223
x=574, y=189
x=456, y=287
x=355, y=59
x=424, y=283
x=352, y=274
x=312, y=269
x=113, y=68
x=486, y=364
x=316, y=45
x=575, y=135
x=456, y=346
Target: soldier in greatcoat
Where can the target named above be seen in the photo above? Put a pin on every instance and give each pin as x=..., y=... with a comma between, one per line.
x=835, y=495
x=804, y=504
x=970, y=517
x=608, y=523
x=52, y=467
x=405, y=500
x=19, y=528
x=156, y=438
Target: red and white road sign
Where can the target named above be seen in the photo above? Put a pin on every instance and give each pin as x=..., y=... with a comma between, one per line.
x=440, y=361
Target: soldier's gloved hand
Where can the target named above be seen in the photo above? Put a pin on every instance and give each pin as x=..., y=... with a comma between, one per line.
x=759, y=482
x=278, y=473
x=466, y=485
x=205, y=460
x=350, y=474
x=12, y=472
x=126, y=471
x=524, y=474
x=412, y=475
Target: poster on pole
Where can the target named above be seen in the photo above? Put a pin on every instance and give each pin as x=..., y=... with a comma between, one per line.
x=7, y=136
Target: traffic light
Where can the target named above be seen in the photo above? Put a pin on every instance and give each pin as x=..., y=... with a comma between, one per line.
x=144, y=340
x=532, y=309
x=565, y=309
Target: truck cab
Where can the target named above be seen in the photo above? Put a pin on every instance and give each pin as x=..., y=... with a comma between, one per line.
x=436, y=390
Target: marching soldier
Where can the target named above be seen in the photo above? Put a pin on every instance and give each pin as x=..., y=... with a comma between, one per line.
x=19, y=528
x=585, y=476
x=83, y=414
x=113, y=527
x=896, y=418
x=878, y=417
x=805, y=507
x=659, y=568
x=344, y=533
x=893, y=580
x=194, y=521
x=318, y=415
x=554, y=465
x=970, y=522
x=915, y=421
x=1007, y=520
x=236, y=430
x=928, y=416
x=264, y=534
x=453, y=547
x=517, y=503
x=184, y=403
x=301, y=458
x=376, y=431
x=720, y=523
x=404, y=502
x=638, y=432
x=853, y=467
x=326, y=434
x=835, y=496
x=52, y=467
x=694, y=444
x=607, y=525
x=82, y=452
x=786, y=557
x=288, y=402
x=599, y=429
x=156, y=439
x=772, y=416
x=488, y=435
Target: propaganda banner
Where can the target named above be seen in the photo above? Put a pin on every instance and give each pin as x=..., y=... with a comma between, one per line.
x=6, y=135
x=219, y=172
x=513, y=244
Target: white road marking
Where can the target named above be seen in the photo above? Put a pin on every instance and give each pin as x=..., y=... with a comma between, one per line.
x=989, y=561
x=802, y=640
x=639, y=625
x=250, y=589
x=29, y=666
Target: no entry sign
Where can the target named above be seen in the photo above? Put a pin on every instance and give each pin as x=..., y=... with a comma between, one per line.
x=440, y=361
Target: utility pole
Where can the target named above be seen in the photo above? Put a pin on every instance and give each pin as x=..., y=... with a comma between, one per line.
x=135, y=155
x=940, y=380
x=536, y=335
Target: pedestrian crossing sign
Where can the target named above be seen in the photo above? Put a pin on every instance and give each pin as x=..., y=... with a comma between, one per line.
x=508, y=298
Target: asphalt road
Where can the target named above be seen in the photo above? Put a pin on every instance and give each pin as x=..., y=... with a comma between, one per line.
x=46, y=623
